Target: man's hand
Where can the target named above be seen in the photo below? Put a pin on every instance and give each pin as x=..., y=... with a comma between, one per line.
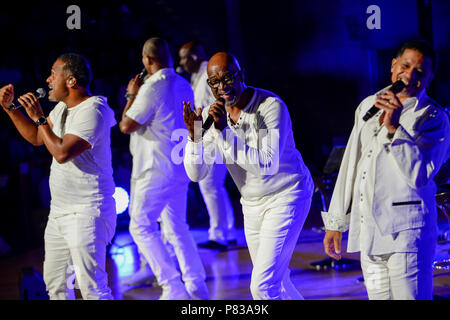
x=31, y=105
x=133, y=86
x=6, y=96
x=190, y=117
x=217, y=111
x=392, y=107
x=332, y=244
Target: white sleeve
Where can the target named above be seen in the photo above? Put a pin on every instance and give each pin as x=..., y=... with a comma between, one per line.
x=87, y=124
x=145, y=104
x=272, y=130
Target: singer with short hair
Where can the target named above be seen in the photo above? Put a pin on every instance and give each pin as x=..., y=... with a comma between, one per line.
x=159, y=185
x=252, y=134
x=82, y=216
x=385, y=194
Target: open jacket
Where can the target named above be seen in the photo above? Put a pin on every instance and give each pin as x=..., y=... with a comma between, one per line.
x=404, y=190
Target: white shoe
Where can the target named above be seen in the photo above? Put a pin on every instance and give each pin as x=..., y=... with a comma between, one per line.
x=197, y=290
x=143, y=276
x=174, y=290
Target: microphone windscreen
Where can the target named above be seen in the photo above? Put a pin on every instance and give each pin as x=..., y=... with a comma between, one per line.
x=41, y=93
x=397, y=86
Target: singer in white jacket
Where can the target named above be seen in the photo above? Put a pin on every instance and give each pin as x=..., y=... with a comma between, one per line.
x=275, y=185
x=385, y=193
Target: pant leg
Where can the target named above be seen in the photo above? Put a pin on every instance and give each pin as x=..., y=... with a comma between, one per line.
x=56, y=263
x=87, y=238
x=176, y=231
x=149, y=196
x=376, y=276
x=411, y=275
x=271, y=239
x=217, y=200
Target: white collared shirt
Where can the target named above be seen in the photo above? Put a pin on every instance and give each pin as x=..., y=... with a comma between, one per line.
x=356, y=185
x=158, y=107
x=259, y=152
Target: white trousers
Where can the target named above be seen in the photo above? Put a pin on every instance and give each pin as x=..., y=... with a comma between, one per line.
x=217, y=200
x=75, y=247
x=153, y=197
x=399, y=276
x=271, y=235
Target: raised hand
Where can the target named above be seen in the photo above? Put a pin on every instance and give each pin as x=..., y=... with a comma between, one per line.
x=31, y=105
x=6, y=96
x=190, y=118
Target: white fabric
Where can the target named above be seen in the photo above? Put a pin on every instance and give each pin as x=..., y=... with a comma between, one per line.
x=385, y=196
x=159, y=186
x=202, y=92
x=82, y=217
x=84, y=184
x=154, y=198
x=267, y=160
x=212, y=188
x=218, y=203
x=158, y=107
x=399, y=276
x=276, y=187
x=403, y=172
x=271, y=231
x=75, y=247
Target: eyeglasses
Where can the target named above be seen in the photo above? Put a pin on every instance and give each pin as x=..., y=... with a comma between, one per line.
x=227, y=80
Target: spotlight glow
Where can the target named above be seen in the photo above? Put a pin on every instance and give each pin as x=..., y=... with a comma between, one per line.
x=122, y=199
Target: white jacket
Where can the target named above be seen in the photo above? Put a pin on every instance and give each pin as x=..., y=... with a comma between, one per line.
x=404, y=190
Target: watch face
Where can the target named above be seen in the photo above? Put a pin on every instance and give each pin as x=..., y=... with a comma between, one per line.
x=41, y=120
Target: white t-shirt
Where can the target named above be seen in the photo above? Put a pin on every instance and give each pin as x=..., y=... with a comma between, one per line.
x=84, y=184
x=202, y=92
x=158, y=107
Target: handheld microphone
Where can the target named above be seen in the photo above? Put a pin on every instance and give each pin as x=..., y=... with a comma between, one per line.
x=395, y=88
x=40, y=93
x=210, y=120
x=141, y=76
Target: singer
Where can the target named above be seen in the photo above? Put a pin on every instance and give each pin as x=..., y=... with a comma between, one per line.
x=385, y=193
x=275, y=203
x=158, y=186
x=82, y=215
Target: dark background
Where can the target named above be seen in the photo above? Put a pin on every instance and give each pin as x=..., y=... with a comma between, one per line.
x=318, y=56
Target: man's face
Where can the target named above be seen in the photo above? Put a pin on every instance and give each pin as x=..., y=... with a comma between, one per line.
x=187, y=60
x=57, y=82
x=227, y=83
x=414, y=69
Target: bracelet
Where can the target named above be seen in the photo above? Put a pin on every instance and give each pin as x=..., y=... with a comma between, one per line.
x=129, y=96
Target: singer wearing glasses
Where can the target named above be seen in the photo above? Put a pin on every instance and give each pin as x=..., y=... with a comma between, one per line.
x=82, y=217
x=385, y=193
x=275, y=185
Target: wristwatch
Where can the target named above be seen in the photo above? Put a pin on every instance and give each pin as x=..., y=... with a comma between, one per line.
x=40, y=121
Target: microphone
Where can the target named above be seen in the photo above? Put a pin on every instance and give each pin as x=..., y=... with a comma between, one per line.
x=209, y=120
x=395, y=88
x=40, y=93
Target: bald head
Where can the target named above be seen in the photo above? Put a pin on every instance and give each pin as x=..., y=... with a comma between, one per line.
x=158, y=50
x=222, y=62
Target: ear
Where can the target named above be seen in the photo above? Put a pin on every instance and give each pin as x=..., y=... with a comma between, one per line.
x=71, y=82
x=194, y=57
x=394, y=61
